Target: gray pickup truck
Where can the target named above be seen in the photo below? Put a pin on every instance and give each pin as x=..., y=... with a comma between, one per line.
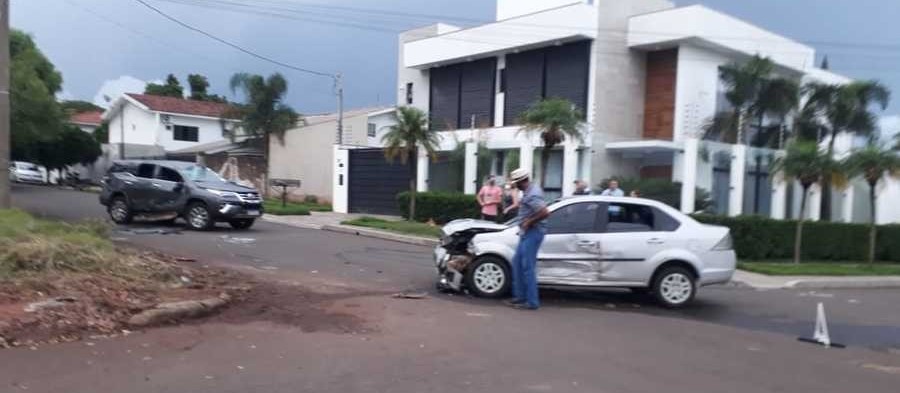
x=174, y=188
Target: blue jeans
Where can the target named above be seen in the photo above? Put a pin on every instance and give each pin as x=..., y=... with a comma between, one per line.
x=524, y=267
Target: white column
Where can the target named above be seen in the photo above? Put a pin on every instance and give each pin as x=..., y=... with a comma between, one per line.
x=526, y=156
x=339, y=199
x=689, y=174
x=779, y=193
x=738, y=168
x=471, y=168
x=570, y=167
x=847, y=207
x=814, y=202
x=422, y=171
x=500, y=98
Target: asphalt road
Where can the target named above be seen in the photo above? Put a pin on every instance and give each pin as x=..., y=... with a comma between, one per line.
x=731, y=339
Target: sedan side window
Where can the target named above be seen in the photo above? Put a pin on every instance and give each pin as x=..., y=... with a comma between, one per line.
x=168, y=174
x=574, y=218
x=664, y=222
x=145, y=171
x=626, y=217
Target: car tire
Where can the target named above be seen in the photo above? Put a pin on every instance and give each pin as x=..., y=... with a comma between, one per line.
x=119, y=211
x=674, y=287
x=199, y=217
x=244, y=223
x=489, y=277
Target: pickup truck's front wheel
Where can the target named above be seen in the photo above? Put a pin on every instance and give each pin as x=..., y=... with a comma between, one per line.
x=199, y=217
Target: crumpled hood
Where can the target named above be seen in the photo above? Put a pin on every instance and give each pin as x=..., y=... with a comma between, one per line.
x=469, y=223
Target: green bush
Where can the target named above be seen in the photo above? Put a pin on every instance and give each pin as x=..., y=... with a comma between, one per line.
x=441, y=207
x=758, y=238
x=311, y=199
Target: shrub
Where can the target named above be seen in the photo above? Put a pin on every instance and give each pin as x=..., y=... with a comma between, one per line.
x=760, y=238
x=441, y=207
x=311, y=199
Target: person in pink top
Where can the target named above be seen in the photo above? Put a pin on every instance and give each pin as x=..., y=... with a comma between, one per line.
x=489, y=197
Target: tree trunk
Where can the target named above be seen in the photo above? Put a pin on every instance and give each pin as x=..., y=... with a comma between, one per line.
x=798, y=237
x=412, y=184
x=873, y=230
x=825, y=208
x=545, y=159
x=265, y=178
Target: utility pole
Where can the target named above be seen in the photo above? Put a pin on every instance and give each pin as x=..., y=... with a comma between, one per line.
x=339, y=91
x=4, y=103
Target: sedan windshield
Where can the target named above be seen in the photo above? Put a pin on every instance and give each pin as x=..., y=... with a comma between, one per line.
x=199, y=173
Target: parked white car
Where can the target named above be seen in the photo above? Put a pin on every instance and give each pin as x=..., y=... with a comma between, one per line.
x=25, y=172
x=594, y=241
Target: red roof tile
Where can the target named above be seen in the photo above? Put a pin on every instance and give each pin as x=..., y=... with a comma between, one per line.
x=93, y=118
x=182, y=106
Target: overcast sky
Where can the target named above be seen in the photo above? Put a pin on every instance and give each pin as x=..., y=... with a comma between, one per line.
x=120, y=43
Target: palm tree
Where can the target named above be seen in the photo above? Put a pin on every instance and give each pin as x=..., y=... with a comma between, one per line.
x=409, y=133
x=555, y=119
x=265, y=113
x=808, y=165
x=754, y=93
x=845, y=108
x=872, y=163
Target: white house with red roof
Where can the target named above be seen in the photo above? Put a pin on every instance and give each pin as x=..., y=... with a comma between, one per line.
x=87, y=121
x=149, y=126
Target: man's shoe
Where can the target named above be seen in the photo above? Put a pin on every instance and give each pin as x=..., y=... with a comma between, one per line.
x=513, y=302
x=523, y=306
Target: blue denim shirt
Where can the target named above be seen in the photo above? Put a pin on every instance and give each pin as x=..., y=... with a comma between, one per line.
x=531, y=203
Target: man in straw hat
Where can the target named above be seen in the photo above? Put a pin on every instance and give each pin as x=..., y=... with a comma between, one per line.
x=532, y=213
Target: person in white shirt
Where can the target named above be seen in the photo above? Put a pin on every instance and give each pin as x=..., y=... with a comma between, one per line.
x=613, y=189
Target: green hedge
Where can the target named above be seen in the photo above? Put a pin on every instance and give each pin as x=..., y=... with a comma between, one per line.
x=759, y=238
x=441, y=207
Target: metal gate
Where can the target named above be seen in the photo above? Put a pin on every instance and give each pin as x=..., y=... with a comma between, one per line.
x=373, y=182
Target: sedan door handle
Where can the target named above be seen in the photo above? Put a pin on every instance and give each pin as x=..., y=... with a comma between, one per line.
x=156, y=185
x=586, y=243
x=655, y=240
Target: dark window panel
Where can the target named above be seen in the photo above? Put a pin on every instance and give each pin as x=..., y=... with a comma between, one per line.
x=524, y=83
x=567, y=69
x=444, y=98
x=477, y=93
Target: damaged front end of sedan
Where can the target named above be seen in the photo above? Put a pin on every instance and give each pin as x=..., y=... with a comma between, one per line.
x=456, y=251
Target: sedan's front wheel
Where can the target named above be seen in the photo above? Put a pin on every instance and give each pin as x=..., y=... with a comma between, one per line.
x=674, y=287
x=488, y=277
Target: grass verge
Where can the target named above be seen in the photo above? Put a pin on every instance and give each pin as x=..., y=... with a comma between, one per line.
x=404, y=227
x=273, y=206
x=821, y=269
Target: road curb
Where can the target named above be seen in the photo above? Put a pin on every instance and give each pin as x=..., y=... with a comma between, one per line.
x=360, y=231
x=178, y=310
x=760, y=281
x=284, y=221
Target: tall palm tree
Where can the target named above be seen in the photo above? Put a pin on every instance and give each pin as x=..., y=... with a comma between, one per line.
x=777, y=98
x=873, y=163
x=409, y=133
x=554, y=119
x=807, y=164
x=264, y=114
x=744, y=83
x=845, y=108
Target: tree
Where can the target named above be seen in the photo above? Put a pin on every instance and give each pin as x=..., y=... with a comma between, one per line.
x=754, y=93
x=554, y=119
x=264, y=114
x=71, y=107
x=872, y=163
x=808, y=165
x=35, y=115
x=172, y=88
x=844, y=108
x=101, y=134
x=409, y=133
x=71, y=146
x=199, y=85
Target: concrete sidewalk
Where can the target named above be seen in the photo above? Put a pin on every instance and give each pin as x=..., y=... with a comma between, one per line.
x=762, y=281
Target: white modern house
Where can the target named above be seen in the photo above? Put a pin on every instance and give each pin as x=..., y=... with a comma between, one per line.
x=646, y=75
x=149, y=126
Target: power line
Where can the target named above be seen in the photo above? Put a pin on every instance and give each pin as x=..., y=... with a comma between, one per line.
x=233, y=45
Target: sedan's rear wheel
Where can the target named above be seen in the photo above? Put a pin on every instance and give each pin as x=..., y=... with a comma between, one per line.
x=488, y=277
x=674, y=287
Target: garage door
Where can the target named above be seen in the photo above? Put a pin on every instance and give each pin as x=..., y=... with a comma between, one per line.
x=374, y=183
